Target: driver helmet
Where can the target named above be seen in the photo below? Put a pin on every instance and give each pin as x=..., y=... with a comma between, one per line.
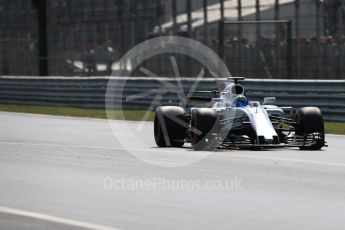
x=241, y=101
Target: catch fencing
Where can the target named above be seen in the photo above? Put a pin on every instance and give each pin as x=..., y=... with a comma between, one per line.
x=140, y=92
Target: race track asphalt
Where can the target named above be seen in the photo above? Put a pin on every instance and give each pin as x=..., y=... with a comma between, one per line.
x=72, y=173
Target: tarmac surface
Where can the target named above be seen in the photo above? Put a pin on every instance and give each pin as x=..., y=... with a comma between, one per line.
x=74, y=173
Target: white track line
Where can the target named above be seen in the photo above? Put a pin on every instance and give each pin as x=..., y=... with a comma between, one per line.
x=335, y=135
x=87, y=147
x=54, y=219
x=230, y=154
x=64, y=146
x=38, y=115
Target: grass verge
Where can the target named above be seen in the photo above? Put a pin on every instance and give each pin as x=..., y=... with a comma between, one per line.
x=335, y=127
x=130, y=114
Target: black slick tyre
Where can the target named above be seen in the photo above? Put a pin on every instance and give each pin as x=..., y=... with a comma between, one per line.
x=170, y=126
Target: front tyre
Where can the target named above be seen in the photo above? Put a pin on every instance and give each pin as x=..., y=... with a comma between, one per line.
x=310, y=121
x=170, y=126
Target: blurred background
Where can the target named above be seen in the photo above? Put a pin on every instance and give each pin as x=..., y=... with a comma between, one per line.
x=300, y=39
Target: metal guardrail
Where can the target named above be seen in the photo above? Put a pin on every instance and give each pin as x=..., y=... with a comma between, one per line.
x=90, y=92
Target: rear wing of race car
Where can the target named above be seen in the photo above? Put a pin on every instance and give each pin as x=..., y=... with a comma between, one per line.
x=206, y=96
x=201, y=98
x=203, y=95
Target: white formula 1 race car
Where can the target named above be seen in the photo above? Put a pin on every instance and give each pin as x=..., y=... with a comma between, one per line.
x=233, y=121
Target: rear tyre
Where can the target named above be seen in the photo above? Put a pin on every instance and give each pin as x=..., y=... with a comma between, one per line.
x=205, y=125
x=170, y=126
x=309, y=121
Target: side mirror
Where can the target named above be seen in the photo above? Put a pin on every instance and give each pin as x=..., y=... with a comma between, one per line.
x=269, y=100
